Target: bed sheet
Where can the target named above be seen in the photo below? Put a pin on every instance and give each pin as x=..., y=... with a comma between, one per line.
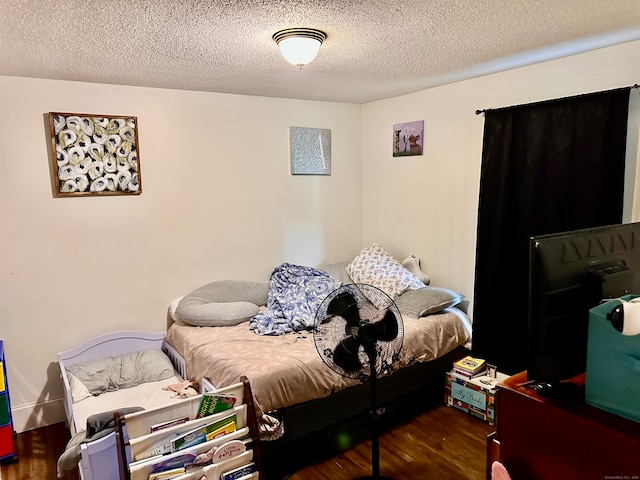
x=285, y=370
x=146, y=395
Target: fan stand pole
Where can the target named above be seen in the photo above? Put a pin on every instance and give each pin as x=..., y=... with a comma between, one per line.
x=370, y=349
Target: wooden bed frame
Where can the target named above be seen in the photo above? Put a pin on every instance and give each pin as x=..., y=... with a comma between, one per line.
x=99, y=459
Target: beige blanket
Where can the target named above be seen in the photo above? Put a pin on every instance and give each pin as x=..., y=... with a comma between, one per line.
x=286, y=370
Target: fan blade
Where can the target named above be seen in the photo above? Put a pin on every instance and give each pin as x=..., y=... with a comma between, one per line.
x=387, y=328
x=345, y=354
x=345, y=305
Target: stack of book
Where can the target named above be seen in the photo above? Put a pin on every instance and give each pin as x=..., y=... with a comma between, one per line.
x=470, y=367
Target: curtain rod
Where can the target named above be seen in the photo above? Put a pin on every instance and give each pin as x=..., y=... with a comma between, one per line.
x=478, y=112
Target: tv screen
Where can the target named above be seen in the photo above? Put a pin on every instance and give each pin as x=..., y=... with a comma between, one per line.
x=569, y=273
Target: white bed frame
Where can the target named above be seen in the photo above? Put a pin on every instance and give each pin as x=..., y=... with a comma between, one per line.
x=99, y=459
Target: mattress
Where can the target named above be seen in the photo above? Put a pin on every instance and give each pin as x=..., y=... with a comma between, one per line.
x=146, y=395
x=287, y=370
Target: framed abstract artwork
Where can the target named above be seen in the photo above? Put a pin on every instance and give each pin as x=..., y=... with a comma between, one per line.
x=310, y=151
x=408, y=138
x=94, y=154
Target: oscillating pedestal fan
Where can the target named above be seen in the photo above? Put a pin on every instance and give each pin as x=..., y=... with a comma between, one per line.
x=359, y=335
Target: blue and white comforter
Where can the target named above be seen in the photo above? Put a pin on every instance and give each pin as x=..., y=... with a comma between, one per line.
x=295, y=294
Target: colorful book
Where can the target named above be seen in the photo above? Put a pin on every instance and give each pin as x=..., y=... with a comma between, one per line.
x=170, y=423
x=199, y=434
x=212, y=402
x=167, y=474
x=470, y=364
x=240, y=472
x=161, y=448
x=250, y=476
x=224, y=430
x=169, y=464
x=469, y=375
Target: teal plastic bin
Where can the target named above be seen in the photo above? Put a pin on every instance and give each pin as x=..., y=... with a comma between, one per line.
x=613, y=365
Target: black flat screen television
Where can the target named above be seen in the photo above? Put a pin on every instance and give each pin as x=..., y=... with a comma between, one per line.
x=569, y=273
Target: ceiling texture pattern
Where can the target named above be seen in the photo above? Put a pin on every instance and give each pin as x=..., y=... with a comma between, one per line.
x=374, y=49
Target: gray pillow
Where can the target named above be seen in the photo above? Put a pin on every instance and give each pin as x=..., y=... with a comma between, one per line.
x=426, y=301
x=123, y=371
x=223, y=303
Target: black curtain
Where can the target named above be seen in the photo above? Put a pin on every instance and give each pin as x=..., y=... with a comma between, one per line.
x=547, y=167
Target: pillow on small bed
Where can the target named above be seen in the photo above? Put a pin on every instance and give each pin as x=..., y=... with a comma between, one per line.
x=426, y=301
x=223, y=303
x=122, y=371
x=374, y=266
x=77, y=388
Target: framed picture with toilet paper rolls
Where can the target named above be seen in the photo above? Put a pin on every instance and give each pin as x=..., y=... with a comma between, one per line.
x=94, y=154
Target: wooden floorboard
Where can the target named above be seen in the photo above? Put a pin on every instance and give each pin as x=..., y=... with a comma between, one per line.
x=440, y=444
x=37, y=454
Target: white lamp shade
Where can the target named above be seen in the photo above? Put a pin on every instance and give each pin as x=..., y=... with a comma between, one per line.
x=299, y=46
x=299, y=50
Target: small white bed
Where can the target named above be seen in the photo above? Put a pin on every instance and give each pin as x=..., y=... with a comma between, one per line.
x=98, y=458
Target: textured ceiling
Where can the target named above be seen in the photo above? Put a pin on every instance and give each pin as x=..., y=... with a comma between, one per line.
x=374, y=49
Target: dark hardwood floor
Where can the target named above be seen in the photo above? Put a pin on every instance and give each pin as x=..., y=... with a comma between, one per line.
x=37, y=454
x=440, y=444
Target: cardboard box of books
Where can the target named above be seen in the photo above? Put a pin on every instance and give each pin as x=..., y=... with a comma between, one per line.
x=475, y=396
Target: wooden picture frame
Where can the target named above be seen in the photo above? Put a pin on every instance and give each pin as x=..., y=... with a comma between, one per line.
x=94, y=155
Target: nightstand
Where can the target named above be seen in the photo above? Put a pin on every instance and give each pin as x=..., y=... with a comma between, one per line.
x=541, y=438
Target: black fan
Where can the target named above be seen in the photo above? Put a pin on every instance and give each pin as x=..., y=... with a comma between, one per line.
x=359, y=335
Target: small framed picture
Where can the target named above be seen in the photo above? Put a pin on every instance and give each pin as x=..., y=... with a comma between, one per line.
x=310, y=151
x=94, y=154
x=492, y=371
x=408, y=139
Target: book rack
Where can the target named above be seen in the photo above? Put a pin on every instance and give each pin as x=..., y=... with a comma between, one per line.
x=141, y=450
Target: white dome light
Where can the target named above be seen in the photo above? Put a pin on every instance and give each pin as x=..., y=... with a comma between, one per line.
x=299, y=46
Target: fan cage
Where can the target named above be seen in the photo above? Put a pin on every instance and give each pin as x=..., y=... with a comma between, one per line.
x=372, y=304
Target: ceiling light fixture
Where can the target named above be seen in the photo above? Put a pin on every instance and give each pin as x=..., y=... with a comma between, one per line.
x=299, y=46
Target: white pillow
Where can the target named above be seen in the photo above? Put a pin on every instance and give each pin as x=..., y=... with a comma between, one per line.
x=78, y=390
x=374, y=266
x=173, y=306
x=412, y=263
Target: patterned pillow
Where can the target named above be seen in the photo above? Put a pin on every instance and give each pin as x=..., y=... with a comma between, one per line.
x=374, y=266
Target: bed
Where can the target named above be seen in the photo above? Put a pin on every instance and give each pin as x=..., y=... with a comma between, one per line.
x=297, y=397
x=98, y=458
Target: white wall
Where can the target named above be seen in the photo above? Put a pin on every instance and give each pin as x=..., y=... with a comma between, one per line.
x=428, y=204
x=218, y=202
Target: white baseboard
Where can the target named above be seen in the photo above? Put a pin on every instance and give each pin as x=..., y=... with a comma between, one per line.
x=36, y=415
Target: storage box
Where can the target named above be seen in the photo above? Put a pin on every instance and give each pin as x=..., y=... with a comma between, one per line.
x=4, y=409
x=613, y=365
x=474, y=396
